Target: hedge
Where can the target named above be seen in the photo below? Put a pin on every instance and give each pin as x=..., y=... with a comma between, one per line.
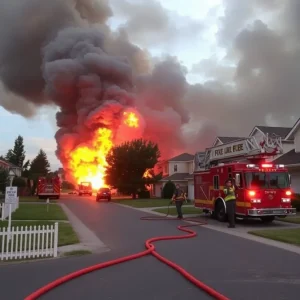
x=296, y=202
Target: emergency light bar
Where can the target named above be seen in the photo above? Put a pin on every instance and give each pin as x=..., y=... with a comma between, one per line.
x=252, y=166
x=267, y=166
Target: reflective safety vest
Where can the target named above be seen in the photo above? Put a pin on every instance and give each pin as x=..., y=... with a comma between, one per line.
x=230, y=193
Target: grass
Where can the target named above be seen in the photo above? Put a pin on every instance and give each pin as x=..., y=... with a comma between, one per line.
x=294, y=220
x=39, y=212
x=186, y=210
x=142, y=203
x=290, y=236
x=66, y=234
x=28, y=199
x=77, y=253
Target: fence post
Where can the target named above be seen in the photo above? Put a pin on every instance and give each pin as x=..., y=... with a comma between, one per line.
x=55, y=239
x=9, y=222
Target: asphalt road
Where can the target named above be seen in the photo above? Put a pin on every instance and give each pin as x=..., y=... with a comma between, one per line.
x=238, y=268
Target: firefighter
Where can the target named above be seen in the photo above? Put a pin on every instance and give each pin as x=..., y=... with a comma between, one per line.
x=178, y=198
x=230, y=200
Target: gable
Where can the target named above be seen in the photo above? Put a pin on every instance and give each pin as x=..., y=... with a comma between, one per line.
x=184, y=157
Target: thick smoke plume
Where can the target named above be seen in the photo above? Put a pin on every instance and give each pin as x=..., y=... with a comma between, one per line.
x=62, y=52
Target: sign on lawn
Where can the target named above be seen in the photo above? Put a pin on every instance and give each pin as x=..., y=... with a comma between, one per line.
x=11, y=194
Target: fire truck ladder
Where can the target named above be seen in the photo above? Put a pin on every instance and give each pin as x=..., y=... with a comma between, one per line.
x=271, y=145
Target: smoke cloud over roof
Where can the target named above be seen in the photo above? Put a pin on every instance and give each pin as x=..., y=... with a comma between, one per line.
x=63, y=52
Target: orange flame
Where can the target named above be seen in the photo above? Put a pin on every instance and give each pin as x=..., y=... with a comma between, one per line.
x=88, y=163
x=131, y=119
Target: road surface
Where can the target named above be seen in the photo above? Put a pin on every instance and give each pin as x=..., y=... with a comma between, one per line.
x=239, y=268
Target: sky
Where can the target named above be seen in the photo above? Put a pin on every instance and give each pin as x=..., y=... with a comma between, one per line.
x=238, y=55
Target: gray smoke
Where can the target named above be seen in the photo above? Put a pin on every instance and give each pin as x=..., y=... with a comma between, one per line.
x=62, y=52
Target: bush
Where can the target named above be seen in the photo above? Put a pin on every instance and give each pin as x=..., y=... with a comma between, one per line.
x=296, y=203
x=168, y=190
x=3, y=179
x=19, y=182
x=144, y=194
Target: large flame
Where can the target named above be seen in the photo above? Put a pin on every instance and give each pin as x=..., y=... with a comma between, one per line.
x=88, y=163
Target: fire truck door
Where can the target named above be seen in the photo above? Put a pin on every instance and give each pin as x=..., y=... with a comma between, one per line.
x=239, y=184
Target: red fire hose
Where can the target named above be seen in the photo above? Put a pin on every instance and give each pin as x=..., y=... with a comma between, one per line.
x=150, y=250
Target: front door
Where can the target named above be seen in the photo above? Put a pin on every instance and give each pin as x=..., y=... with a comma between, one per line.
x=240, y=203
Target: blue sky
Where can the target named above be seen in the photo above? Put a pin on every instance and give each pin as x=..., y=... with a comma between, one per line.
x=39, y=131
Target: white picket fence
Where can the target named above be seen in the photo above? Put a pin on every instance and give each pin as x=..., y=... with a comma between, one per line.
x=4, y=209
x=23, y=242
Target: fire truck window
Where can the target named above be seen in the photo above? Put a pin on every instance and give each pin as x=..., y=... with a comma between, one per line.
x=256, y=180
x=175, y=168
x=216, y=182
x=278, y=180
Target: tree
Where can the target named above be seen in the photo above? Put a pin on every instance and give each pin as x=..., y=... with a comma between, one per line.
x=3, y=179
x=40, y=165
x=127, y=164
x=168, y=190
x=16, y=155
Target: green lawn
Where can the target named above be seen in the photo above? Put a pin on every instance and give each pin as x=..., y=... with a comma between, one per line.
x=39, y=212
x=186, y=210
x=295, y=220
x=291, y=236
x=142, y=203
x=66, y=234
x=35, y=199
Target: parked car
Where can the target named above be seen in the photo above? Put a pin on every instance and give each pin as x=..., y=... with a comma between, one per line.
x=103, y=193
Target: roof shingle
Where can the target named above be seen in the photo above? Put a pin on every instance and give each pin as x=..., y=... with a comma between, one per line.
x=229, y=139
x=279, y=131
x=289, y=158
x=183, y=157
x=177, y=176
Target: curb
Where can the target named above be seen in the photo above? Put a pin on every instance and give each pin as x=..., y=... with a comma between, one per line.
x=88, y=239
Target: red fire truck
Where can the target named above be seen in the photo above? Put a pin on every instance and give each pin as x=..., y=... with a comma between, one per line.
x=262, y=188
x=48, y=187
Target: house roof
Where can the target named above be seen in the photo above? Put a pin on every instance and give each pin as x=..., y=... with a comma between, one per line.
x=229, y=139
x=289, y=158
x=294, y=129
x=8, y=163
x=183, y=157
x=279, y=131
x=177, y=177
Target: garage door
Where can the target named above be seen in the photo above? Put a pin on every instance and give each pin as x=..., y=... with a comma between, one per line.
x=191, y=191
x=295, y=182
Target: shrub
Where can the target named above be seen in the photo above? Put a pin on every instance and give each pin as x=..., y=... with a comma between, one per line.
x=144, y=194
x=296, y=203
x=168, y=190
x=19, y=182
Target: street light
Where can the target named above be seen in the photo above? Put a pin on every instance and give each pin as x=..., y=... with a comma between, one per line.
x=11, y=176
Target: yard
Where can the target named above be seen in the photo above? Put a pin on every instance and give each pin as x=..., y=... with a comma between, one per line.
x=295, y=220
x=290, y=236
x=66, y=234
x=39, y=212
x=29, y=218
x=144, y=203
x=28, y=199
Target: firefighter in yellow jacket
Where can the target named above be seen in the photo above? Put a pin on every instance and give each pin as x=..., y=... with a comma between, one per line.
x=178, y=197
x=230, y=200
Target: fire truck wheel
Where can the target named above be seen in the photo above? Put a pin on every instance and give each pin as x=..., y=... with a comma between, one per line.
x=267, y=219
x=220, y=211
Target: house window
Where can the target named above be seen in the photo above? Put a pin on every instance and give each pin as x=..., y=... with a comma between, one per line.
x=216, y=182
x=175, y=168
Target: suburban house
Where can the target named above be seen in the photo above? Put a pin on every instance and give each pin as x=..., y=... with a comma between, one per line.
x=291, y=158
x=10, y=167
x=178, y=169
x=290, y=138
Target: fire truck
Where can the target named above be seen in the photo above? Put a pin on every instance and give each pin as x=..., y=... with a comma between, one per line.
x=85, y=188
x=262, y=188
x=48, y=187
